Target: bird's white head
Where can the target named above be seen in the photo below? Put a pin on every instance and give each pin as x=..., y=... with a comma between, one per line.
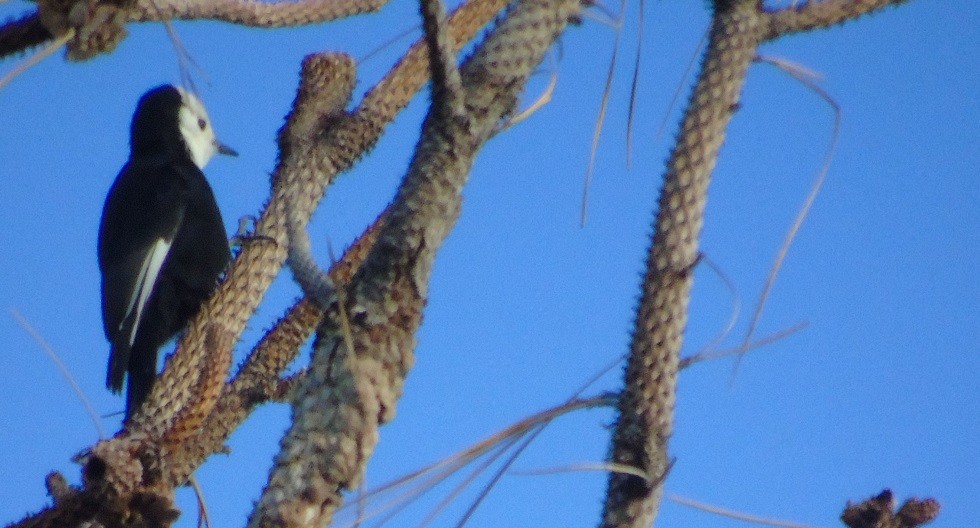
x=196, y=130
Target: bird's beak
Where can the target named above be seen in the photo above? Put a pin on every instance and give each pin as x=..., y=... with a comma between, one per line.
x=226, y=150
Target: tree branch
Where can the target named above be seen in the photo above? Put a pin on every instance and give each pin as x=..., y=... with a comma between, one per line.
x=100, y=26
x=879, y=512
x=21, y=34
x=646, y=406
x=251, y=13
x=820, y=14
x=355, y=380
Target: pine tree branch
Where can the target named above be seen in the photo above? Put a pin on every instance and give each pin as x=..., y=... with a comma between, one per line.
x=364, y=348
x=821, y=14
x=646, y=406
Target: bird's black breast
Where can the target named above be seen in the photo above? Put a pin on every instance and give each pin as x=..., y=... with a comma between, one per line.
x=200, y=250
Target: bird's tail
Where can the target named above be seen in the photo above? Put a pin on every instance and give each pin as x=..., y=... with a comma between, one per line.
x=142, y=374
x=118, y=363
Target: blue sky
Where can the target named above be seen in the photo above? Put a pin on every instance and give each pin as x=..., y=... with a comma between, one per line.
x=878, y=391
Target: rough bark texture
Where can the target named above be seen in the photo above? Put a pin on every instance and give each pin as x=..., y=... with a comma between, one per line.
x=817, y=15
x=20, y=34
x=879, y=512
x=251, y=13
x=364, y=347
x=646, y=406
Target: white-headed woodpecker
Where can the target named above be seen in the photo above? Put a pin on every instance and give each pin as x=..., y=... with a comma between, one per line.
x=162, y=242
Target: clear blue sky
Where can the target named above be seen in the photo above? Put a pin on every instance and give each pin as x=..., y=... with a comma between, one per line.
x=880, y=390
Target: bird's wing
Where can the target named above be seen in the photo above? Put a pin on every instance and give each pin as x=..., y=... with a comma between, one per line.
x=141, y=269
x=143, y=213
x=127, y=286
x=143, y=287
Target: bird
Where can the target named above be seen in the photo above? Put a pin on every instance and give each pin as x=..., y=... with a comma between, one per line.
x=162, y=244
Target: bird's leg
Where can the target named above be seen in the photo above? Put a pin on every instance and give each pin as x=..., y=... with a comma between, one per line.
x=246, y=234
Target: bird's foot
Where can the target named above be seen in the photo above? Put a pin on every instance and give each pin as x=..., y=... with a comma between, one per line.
x=246, y=234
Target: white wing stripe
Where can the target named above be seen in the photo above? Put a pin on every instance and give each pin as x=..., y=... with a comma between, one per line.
x=149, y=271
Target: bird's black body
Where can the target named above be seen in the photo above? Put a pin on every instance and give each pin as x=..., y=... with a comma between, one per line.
x=161, y=215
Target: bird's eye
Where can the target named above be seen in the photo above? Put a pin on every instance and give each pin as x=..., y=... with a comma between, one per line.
x=202, y=123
